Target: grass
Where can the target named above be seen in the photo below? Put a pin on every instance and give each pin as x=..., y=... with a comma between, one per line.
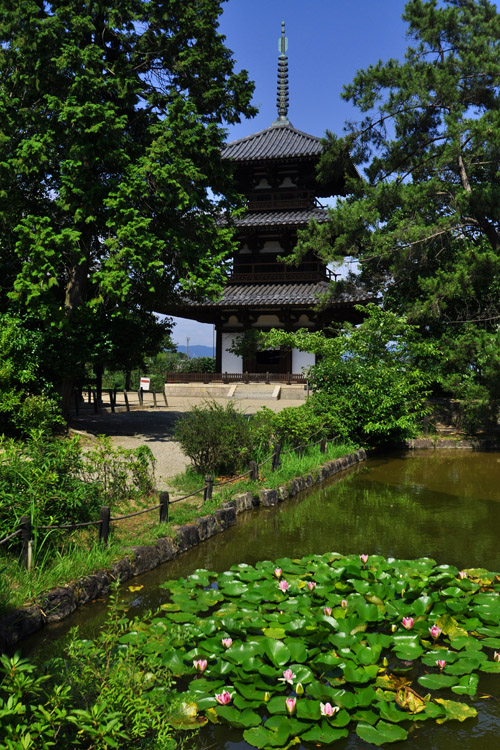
x=82, y=555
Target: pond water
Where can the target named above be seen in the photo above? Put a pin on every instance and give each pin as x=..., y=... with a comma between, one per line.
x=444, y=505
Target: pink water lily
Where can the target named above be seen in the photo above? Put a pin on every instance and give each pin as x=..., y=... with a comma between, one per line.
x=496, y=656
x=327, y=611
x=278, y=572
x=462, y=574
x=408, y=622
x=327, y=709
x=200, y=664
x=343, y=603
x=364, y=559
x=311, y=585
x=283, y=585
x=290, y=705
x=223, y=698
x=441, y=663
x=227, y=642
x=435, y=631
x=288, y=676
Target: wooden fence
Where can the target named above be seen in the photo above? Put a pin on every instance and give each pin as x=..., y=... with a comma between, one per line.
x=288, y=378
x=112, y=398
x=26, y=531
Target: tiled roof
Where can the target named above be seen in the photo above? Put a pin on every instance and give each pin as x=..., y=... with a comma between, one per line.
x=281, y=218
x=277, y=141
x=250, y=295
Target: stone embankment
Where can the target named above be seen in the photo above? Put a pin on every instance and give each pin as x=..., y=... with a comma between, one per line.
x=64, y=600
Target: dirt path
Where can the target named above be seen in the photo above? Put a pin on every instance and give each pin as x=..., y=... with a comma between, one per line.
x=154, y=428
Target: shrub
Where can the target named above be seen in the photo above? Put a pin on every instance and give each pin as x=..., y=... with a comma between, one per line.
x=216, y=438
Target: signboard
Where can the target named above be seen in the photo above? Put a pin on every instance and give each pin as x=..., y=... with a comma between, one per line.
x=145, y=382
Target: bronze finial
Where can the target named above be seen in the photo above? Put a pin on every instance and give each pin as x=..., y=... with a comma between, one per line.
x=282, y=98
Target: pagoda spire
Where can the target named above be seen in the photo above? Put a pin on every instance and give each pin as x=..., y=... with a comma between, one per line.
x=282, y=98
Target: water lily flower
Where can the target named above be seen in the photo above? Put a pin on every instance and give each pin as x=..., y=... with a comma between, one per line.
x=290, y=705
x=327, y=611
x=311, y=585
x=299, y=688
x=200, y=664
x=496, y=656
x=408, y=622
x=343, y=603
x=441, y=663
x=227, y=642
x=394, y=627
x=435, y=631
x=223, y=698
x=267, y=696
x=288, y=676
x=462, y=574
x=327, y=709
x=283, y=585
x=278, y=572
x=364, y=559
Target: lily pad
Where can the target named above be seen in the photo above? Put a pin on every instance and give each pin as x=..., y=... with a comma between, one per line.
x=381, y=732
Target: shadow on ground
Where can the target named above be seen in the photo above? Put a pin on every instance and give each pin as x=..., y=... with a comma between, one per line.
x=152, y=426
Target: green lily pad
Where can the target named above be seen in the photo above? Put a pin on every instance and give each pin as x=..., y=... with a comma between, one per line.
x=381, y=732
x=324, y=734
x=467, y=685
x=436, y=681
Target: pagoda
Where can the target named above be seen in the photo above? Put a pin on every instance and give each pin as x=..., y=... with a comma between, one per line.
x=276, y=171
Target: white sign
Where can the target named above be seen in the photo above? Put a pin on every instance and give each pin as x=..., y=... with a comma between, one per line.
x=145, y=383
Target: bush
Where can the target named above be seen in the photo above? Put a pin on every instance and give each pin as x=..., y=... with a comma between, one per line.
x=216, y=438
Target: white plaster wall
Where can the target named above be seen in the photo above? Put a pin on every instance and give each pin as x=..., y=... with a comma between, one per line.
x=230, y=362
x=301, y=360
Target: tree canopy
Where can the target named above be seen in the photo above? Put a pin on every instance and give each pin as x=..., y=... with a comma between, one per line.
x=112, y=118
x=424, y=221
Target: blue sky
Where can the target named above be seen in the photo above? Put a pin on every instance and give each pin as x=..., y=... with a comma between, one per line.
x=328, y=41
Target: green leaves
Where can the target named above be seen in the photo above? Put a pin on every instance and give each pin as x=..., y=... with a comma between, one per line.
x=316, y=678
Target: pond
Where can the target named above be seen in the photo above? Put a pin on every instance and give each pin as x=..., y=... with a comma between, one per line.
x=444, y=505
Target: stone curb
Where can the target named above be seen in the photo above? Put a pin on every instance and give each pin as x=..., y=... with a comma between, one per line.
x=62, y=601
x=471, y=444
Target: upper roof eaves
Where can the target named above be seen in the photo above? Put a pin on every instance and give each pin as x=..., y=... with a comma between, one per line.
x=275, y=142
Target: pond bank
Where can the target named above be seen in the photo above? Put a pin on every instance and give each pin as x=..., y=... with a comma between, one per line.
x=62, y=601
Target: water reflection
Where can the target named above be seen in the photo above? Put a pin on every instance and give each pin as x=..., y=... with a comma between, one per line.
x=440, y=505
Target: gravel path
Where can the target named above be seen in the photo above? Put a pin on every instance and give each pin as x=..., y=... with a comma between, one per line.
x=154, y=428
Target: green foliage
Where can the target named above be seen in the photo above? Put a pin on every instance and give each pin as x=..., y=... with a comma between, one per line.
x=299, y=425
x=425, y=220
x=197, y=364
x=100, y=696
x=368, y=384
x=26, y=399
x=54, y=482
x=216, y=438
x=112, y=183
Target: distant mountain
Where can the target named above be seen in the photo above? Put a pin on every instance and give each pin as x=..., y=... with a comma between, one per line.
x=197, y=350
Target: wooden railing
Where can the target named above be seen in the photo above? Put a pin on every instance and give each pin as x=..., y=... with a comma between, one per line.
x=280, y=272
x=288, y=378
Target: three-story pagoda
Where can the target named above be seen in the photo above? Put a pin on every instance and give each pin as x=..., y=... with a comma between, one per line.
x=276, y=170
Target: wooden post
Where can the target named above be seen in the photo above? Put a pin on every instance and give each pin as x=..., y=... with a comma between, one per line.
x=104, y=518
x=224, y=378
x=141, y=397
x=96, y=405
x=207, y=492
x=323, y=445
x=245, y=378
x=164, y=498
x=25, y=523
x=154, y=399
x=254, y=471
x=111, y=400
x=267, y=378
x=276, y=462
x=126, y=401
x=300, y=451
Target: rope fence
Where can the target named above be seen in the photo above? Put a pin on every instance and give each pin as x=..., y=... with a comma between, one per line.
x=27, y=532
